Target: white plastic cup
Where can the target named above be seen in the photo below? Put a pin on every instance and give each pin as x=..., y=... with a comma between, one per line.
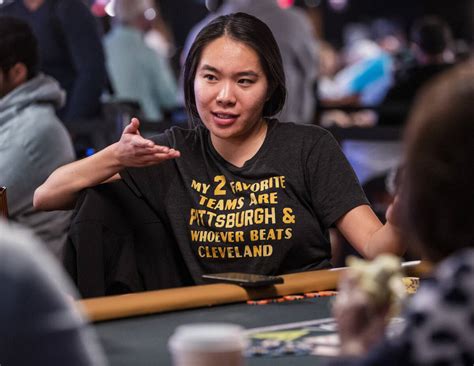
x=208, y=344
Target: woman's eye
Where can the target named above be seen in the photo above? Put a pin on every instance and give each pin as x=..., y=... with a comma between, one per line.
x=210, y=77
x=246, y=81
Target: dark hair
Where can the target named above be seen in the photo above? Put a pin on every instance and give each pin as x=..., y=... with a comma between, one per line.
x=17, y=44
x=255, y=34
x=431, y=34
x=437, y=199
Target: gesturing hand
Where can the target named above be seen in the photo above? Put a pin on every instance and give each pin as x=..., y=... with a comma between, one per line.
x=135, y=151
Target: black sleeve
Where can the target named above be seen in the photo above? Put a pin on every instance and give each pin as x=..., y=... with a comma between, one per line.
x=335, y=189
x=151, y=182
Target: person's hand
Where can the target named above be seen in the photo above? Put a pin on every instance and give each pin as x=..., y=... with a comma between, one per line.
x=135, y=151
x=361, y=323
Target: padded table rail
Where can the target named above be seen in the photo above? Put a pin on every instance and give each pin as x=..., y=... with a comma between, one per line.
x=151, y=302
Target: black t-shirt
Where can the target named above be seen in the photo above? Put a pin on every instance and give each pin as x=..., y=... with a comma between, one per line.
x=270, y=216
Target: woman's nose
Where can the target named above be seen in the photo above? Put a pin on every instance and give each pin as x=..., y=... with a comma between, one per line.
x=226, y=96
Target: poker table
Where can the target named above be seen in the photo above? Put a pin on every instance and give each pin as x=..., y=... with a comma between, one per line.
x=134, y=329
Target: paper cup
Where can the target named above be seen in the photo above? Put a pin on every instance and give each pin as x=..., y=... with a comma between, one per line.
x=208, y=344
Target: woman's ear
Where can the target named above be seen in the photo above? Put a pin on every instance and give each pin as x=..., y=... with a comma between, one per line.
x=17, y=74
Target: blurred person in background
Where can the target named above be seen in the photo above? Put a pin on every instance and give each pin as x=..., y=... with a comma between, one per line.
x=136, y=71
x=40, y=324
x=434, y=211
x=366, y=75
x=431, y=47
x=160, y=36
x=70, y=50
x=293, y=32
x=33, y=141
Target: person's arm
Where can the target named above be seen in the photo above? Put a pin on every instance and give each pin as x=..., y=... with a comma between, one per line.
x=61, y=189
x=364, y=231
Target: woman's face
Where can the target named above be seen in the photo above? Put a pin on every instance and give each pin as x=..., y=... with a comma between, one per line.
x=231, y=88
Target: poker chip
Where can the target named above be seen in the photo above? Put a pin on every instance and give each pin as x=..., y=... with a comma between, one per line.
x=293, y=297
x=256, y=351
x=271, y=343
x=320, y=294
x=259, y=302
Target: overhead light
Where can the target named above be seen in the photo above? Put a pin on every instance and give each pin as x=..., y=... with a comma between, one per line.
x=109, y=8
x=149, y=14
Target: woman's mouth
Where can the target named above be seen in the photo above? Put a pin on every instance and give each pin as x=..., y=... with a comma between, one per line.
x=224, y=119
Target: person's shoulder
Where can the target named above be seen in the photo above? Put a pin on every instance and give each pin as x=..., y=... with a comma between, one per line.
x=10, y=8
x=300, y=130
x=179, y=136
x=450, y=285
x=457, y=266
x=71, y=7
x=40, y=131
x=439, y=312
x=42, y=120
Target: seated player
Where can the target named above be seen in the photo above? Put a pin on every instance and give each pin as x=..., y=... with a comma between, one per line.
x=136, y=71
x=436, y=211
x=33, y=141
x=240, y=191
x=39, y=322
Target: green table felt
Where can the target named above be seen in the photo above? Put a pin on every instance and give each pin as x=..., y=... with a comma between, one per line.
x=142, y=341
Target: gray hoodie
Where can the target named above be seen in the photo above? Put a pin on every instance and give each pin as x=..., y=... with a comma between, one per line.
x=33, y=143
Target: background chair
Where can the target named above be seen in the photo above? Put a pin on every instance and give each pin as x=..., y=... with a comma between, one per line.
x=117, y=244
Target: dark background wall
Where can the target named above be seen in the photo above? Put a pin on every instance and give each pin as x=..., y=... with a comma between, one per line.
x=182, y=14
x=458, y=13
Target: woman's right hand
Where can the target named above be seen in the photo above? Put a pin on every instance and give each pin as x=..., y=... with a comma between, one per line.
x=133, y=150
x=62, y=187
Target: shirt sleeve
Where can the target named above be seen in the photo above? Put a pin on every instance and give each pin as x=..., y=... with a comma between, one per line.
x=335, y=189
x=150, y=182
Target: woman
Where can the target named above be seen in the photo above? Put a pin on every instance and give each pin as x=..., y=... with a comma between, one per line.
x=436, y=211
x=240, y=191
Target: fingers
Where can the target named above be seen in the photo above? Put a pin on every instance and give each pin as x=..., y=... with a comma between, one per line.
x=159, y=152
x=152, y=155
x=132, y=127
x=135, y=151
x=156, y=158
